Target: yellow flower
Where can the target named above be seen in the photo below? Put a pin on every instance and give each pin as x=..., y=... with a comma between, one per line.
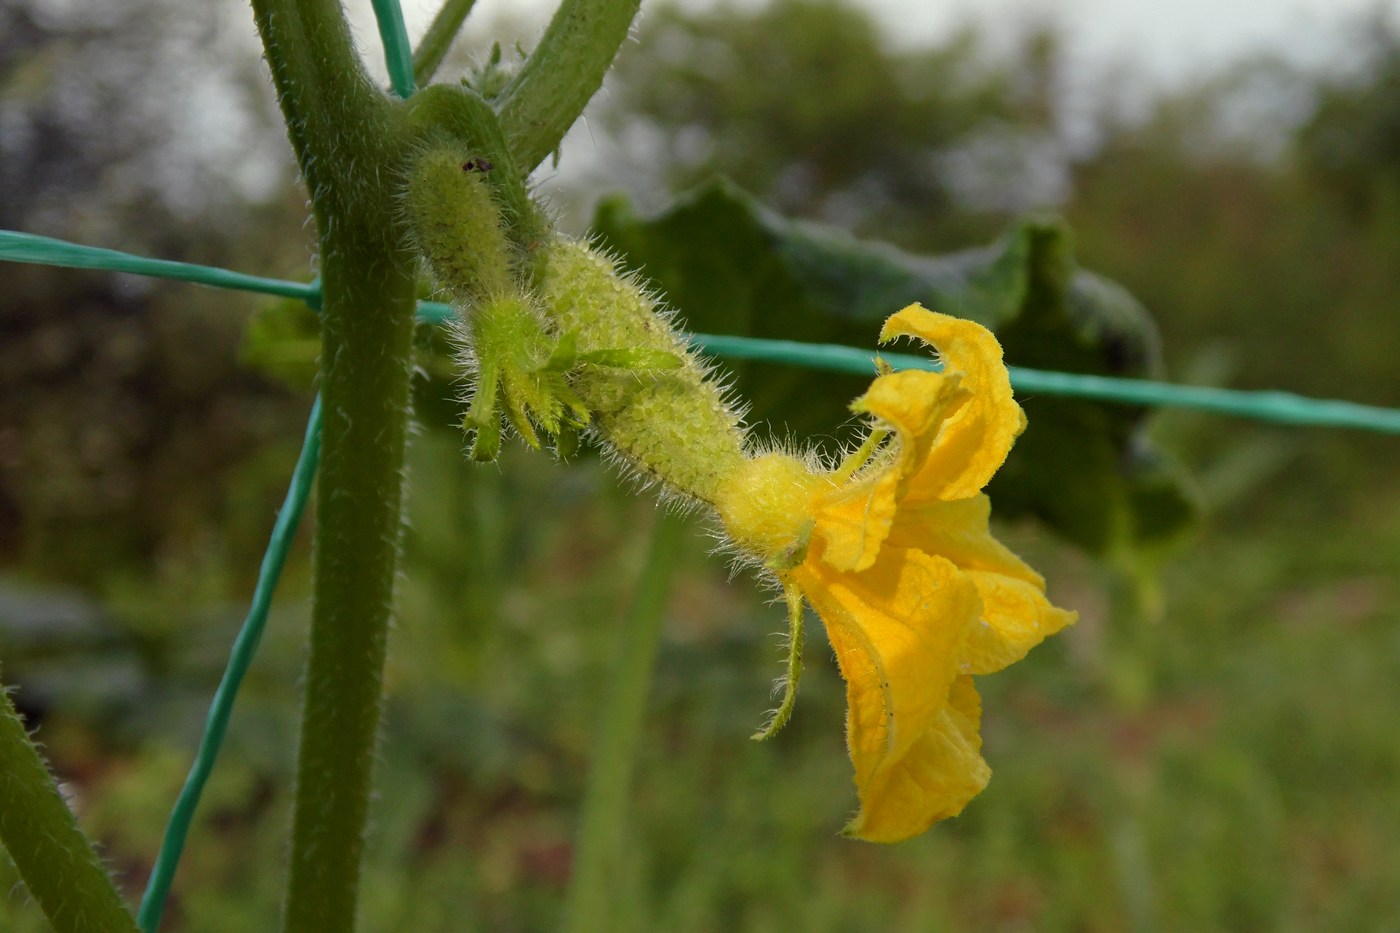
x=894, y=552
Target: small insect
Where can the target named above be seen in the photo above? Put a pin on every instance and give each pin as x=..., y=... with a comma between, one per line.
x=477, y=165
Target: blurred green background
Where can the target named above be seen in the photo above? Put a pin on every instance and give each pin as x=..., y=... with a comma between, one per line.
x=1214, y=746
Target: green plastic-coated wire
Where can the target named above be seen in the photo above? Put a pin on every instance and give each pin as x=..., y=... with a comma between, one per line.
x=46, y=251
x=244, y=647
x=1283, y=407
x=435, y=312
x=398, y=54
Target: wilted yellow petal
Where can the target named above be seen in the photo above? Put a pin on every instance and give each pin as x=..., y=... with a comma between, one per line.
x=975, y=441
x=1016, y=616
x=898, y=630
x=855, y=520
x=915, y=404
x=960, y=531
x=933, y=780
x=894, y=551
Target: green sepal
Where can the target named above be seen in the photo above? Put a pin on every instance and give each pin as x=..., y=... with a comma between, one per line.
x=576, y=413
x=785, y=561
x=481, y=416
x=566, y=442
x=564, y=355
x=518, y=399
x=486, y=441
x=792, y=595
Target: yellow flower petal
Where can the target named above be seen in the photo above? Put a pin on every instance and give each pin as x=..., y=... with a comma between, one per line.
x=973, y=444
x=898, y=630
x=935, y=779
x=894, y=551
x=855, y=520
x=960, y=531
x=1016, y=616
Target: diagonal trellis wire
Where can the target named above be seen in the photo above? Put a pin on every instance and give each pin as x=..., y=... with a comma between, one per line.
x=398, y=57
x=1283, y=407
x=245, y=645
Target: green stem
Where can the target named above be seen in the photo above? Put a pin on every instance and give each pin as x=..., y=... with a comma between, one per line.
x=792, y=594
x=352, y=142
x=366, y=332
x=54, y=858
x=562, y=75
x=338, y=121
x=598, y=850
x=432, y=48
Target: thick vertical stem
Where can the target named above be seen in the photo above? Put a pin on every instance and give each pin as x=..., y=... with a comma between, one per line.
x=351, y=142
x=54, y=858
x=334, y=113
x=366, y=334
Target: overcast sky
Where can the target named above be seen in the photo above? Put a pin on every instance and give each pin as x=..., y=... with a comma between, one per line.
x=1144, y=46
x=1169, y=39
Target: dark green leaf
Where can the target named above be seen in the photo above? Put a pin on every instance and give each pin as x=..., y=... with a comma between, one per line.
x=732, y=266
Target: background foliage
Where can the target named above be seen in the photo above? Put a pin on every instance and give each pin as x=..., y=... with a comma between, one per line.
x=1208, y=749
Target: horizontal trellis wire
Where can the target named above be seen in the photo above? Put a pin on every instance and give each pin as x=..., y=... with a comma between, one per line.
x=1284, y=407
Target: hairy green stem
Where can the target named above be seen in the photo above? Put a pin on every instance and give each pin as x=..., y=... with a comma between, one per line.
x=54, y=858
x=351, y=141
x=338, y=121
x=599, y=846
x=367, y=325
x=432, y=48
x=562, y=74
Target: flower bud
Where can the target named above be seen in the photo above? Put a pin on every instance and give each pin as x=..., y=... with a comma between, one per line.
x=458, y=225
